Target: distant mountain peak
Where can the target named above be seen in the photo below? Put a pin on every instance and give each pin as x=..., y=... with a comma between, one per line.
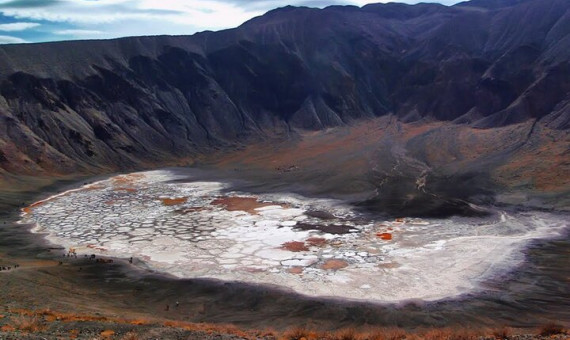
x=491, y=4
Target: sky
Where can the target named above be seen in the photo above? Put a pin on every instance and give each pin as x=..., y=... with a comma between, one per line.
x=25, y=21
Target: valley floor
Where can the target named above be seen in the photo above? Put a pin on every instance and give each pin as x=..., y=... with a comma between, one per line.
x=123, y=299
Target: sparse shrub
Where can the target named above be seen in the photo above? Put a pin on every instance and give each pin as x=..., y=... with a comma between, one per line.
x=344, y=334
x=295, y=334
x=503, y=333
x=388, y=334
x=438, y=334
x=551, y=329
x=28, y=323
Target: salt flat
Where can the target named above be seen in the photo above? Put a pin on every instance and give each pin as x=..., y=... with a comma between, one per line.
x=204, y=229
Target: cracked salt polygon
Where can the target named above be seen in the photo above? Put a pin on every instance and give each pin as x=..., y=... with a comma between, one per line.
x=274, y=254
x=267, y=224
x=288, y=223
x=423, y=257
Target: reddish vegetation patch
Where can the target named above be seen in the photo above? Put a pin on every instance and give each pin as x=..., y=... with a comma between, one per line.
x=334, y=264
x=296, y=270
x=294, y=246
x=174, y=201
x=384, y=236
x=247, y=204
x=316, y=241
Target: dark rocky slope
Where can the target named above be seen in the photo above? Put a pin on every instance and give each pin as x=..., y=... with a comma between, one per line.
x=92, y=106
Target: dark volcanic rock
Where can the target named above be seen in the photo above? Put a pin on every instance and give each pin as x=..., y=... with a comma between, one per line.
x=88, y=105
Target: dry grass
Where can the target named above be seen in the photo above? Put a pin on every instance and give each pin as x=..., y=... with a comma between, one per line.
x=552, y=329
x=346, y=334
x=390, y=333
x=502, y=333
x=298, y=334
x=28, y=323
x=37, y=321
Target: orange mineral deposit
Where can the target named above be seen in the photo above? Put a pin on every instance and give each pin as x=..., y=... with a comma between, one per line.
x=384, y=236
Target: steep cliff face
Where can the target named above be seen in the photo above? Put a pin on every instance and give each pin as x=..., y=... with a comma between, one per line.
x=118, y=104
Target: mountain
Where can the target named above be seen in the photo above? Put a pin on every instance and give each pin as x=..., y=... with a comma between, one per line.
x=479, y=68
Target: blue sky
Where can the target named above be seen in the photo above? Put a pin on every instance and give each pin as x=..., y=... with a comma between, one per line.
x=23, y=21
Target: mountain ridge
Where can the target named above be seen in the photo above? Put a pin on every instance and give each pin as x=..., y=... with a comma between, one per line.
x=110, y=105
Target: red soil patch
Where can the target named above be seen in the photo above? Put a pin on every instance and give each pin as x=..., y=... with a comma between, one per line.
x=316, y=241
x=296, y=270
x=247, y=204
x=384, y=236
x=92, y=246
x=37, y=204
x=107, y=334
x=29, y=208
x=294, y=246
x=124, y=180
x=334, y=264
x=173, y=201
x=7, y=328
x=125, y=189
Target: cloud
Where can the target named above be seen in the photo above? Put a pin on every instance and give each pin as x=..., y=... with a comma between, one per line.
x=18, y=26
x=6, y=39
x=28, y=3
x=70, y=19
x=78, y=32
